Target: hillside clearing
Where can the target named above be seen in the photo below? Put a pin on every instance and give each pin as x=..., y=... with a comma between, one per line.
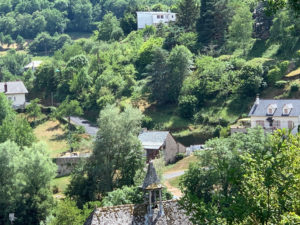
x=54, y=136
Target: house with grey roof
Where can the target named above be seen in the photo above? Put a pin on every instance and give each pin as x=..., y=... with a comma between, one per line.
x=274, y=114
x=158, y=143
x=15, y=91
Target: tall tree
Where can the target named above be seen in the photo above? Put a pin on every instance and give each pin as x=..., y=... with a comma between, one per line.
x=213, y=22
x=6, y=109
x=188, y=13
x=241, y=28
x=33, y=109
x=245, y=179
x=117, y=155
x=25, y=183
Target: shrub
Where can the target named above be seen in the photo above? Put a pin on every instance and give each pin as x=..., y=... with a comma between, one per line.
x=148, y=122
x=280, y=83
x=179, y=156
x=294, y=87
x=187, y=105
x=55, y=189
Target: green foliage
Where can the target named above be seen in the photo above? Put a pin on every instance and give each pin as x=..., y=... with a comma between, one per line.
x=6, y=110
x=67, y=213
x=117, y=155
x=244, y=179
x=109, y=28
x=277, y=72
x=33, y=109
x=25, y=183
x=294, y=87
x=280, y=83
x=188, y=13
x=240, y=29
x=124, y=195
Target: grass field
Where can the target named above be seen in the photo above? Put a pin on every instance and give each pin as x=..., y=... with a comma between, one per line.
x=180, y=165
x=175, y=182
x=61, y=183
x=54, y=136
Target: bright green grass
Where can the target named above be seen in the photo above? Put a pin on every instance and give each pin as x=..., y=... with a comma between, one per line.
x=61, y=183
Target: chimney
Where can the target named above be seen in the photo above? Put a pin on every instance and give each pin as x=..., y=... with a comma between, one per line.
x=5, y=87
x=257, y=100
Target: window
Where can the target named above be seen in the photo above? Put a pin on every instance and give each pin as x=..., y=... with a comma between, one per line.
x=9, y=98
x=162, y=16
x=291, y=124
x=260, y=123
x=276, y=124
x=14, y=98
x=270, y=111
x=286, y=111
x=158, y=16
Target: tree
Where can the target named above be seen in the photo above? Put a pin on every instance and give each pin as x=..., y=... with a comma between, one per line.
x=244, y=179
x=20, y=42
x=188, y=13
x=118, y=153
x=33, y=109
x=36, y=197
x=43, y=42
x=241, y=28
x=109, y=28
x=67, y=213
x=8, y=40
x=18, y=130
x=179, y=63
x=158, y=72
x=25, y=183
x=213, y=22
x=70, y=108
x=6, y=109
x=274, y=6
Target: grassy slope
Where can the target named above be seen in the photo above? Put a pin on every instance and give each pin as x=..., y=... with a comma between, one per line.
x=61, y=183
x=53, y=135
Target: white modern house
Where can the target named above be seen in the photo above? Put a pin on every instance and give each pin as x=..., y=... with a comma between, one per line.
x=274, y=114
x=15, y=91
x=154, y=18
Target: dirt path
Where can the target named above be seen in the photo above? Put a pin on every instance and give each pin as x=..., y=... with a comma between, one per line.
x=175, y=191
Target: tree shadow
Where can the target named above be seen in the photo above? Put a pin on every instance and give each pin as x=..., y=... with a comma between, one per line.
x=59, y=137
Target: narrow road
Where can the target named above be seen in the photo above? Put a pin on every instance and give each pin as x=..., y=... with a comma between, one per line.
x=176, y=192
x=168, y=176
x=89, y=129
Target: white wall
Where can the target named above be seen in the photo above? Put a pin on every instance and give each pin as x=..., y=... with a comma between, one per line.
x=283, y=121
x=18, y=100
x=151, y=18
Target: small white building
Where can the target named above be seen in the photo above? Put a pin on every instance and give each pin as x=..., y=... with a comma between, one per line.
x=154, y=18
x=33, y=65
x=15, y=92
x=274, y=114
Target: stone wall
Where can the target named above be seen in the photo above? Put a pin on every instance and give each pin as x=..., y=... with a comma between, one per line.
x=137, y=215
x=65, y=165
x=172, y=148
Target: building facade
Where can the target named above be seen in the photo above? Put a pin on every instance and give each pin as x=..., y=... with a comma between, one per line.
x=15, y=92
x=154, y=18
x=160, y=142
x=273, y=114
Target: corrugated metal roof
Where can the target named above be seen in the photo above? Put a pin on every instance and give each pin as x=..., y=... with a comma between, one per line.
x=13, y=87
x=262, y=108
x=153, y=139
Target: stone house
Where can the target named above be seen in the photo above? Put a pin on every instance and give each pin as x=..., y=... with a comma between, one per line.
x=15, y=91
x=272, y=114
x=156, y=142
x=154, y=18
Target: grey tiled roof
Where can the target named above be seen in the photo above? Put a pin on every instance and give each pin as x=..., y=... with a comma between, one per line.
x=261, y=108
x=13, y=87
x=153, y=139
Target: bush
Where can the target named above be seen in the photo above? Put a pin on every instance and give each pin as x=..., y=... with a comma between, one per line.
x=280, y=83
x=294, y=87
x=179, y=156
x=147, y=122
x=187, y=105
x=55, y=189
